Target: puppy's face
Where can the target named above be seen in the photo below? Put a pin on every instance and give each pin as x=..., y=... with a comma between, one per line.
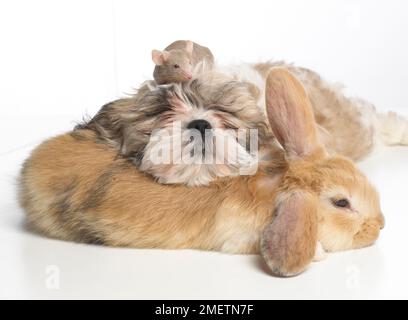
x=189, y=133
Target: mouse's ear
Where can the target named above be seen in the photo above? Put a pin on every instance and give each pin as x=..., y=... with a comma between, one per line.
x=160, y=57
x=288, y=243
x=189, y=46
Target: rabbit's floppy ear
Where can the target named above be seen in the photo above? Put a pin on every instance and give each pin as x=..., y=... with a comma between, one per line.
x=288, y=243
x=290, y=114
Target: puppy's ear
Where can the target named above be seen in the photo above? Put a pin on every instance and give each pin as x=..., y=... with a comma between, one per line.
x=189, y=46
x=290, y=114
x=289, y=242
x=160, y=57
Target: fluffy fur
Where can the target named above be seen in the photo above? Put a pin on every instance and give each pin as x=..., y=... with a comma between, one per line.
x=75, y=187
x=348, y=126
x=132, y=126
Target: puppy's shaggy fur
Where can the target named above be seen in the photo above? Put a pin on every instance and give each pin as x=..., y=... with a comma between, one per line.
x=348, y=126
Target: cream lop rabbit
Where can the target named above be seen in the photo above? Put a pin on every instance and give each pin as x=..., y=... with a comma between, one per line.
x=76, y=188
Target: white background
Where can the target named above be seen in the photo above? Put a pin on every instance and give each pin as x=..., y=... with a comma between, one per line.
x=61, y=60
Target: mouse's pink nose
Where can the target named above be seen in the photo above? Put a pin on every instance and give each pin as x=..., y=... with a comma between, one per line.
x=188, y=75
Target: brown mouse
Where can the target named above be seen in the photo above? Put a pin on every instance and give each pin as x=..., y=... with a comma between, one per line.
x=177, y=62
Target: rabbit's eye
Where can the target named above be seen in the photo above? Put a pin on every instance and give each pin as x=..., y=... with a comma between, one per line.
x=341, y=203
x=176, y=66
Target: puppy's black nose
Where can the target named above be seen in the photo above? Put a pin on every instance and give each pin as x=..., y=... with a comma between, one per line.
x=200, y=125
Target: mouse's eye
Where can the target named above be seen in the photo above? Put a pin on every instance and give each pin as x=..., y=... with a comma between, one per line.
x=176, y=66
x=341, y=203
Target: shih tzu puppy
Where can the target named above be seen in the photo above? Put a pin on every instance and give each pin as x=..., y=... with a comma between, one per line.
x=188, y=133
